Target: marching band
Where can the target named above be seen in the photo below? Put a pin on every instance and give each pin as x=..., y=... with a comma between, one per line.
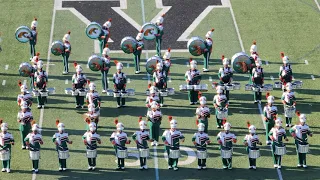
x=160, y=69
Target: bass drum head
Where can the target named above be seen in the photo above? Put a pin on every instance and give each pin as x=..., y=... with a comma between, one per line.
x=196, y=46
x=149, y=31
x=25, y=69
x=22, y=34
x=57, y=48
x=151, y=64
x=240, y=62
x=128, y=44
x=93, y=30
x=95, y=63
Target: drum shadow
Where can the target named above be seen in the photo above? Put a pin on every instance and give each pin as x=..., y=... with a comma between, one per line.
x=9, y=74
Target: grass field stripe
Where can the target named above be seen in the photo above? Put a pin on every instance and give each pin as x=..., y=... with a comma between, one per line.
x=4, y=82
x=312, y=77
x=6, y=67
x=306, y=62
x=237, y=29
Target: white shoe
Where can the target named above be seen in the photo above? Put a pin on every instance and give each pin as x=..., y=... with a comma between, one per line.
x=64, y=169
x=118, y=106
x=305, y=166
x=137, y=72
x=93, y=168
x=161, y=105
x=299, y=165
x=279, y=167
x=145, y=167
x=8, y=170
x=169, y=167
x=3, y=170
x=60, y=169
x=175, y=168
x=250, y=167
x=141, y=167
x=290, y=125
x=156, y=143
x=205, y=70
x=122, y=168
x=199, y=167
x=104, y=91
x=64, y=72
x=259, y=102
x=39, y=106
x=275, y=165
x=152, y=143
x=204, y=167
x=268, y=142
x=36, y=170
x=287, y=125
x=254, y=167
x=89, y=167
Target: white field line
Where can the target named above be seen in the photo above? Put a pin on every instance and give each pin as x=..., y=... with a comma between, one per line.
x=6, y=67
x=152, y=51
x=66, y=81
x=306, y=62
x=316, y=1
x=259, y=105
x=4, y=82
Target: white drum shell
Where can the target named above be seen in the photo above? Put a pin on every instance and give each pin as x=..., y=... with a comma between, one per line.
x=197, y=87
x=68, y=90
x=298, y=84
x=124, y=94
x=222, y=114
x=277, y=85
x=183, y=87
x=289, y=112
x=190, y=87
x=204, y=87
x=63, y=154
x=143, y=153
x=131, y=92
x=248, y=87
x=254, y=154
x=163, y=93
x=34, y=155
x=269, y=87
x=170, y=91
x=303, y=148
x=35, y=93
x=4, y=155
x=91, y=153
x=51, y=90
x=229, y=87
x=109, y=92
x=174, y=154
x=202, y=154
x=226, y=154
x=82, y=93
x=280, y=150
x=236, y=85
x=122, y=153
x=43, y=94
x=263, y=89
x=116, y=94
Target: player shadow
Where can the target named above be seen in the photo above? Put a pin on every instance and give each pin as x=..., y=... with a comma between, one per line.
x=10, y=74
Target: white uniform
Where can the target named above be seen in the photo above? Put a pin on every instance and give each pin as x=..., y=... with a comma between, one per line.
x=225, y=138
x=159, y=75
x=203, y=111
x=24, y=117
x=251, y=139
x=200, y=137
x=89, y=137
x=33, y=138
x=224, y=71
x=172, y=136
x=285, y=69
x=287, y=96
x=78, y=78
x=257, y=72
x=301, y=129
x=270, y=110
x=61, y=137
x=154, y=115
x=117, y=77
x=208, y=41
x=5, y=138
x=119, y=137
x=190, y=74
x=40, y=75
x=92, y=96
x=278, y=132
x=154, y=98
x=219, y=98
x=24, y=97
x=142, y=136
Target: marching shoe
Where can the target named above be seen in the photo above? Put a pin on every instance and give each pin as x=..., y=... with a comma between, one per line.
x=122, y=168
x=205, y=70
x=93, y=168
x=191, y=103
x=290, y=125
x=78, y=106
x=225, y=167
x=39, y=107
x=118, y=168
x=152, y=143
x=250, y=167
x=255, y=102
x=27, y=147
x=259, y=101
x=275, y=165
x=230, y=168
x=8, y=170
x=279, y=167
x=64, y=169
x=137, y=72
x=161, y=105
x=287, y=125
x=268, y=143
x=299, y=165
x=169, y=167
x=23, y=147
x=36, y=170
x=123, y=105
x=30, y=59
x=104, y=91
x=175, y=168
x=156, y=143
x=145, y=167
x=199, y=167
x=3, y=170
x=118, y=106
x=305, y=166
x=254, y=167
x=141, y=168
x=60, y=169
x=204, y=167
x=65, y=73
x=89, y=168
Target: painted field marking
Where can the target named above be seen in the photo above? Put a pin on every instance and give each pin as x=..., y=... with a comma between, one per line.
x=293, y=78
x=128, y=80
x=3, y=82
x=316, y=1
x=306, y=62
x=312, y=77
x=128, y=65
x=272, y=78
x=155, y=159
x=6, y=67
x=267, y=63
x=169, y=80
x=24, y=82
x=66, y=81
x=87, y=66
x=210, y=78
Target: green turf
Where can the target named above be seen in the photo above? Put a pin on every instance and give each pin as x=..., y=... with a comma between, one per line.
x=273, y=33
x=134, y=10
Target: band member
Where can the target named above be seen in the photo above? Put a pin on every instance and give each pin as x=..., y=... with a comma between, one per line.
x=24, y=118
x=24, y=96
x=152, y=97
x=79, y=81
x=160, y=34
x=61, y=140
x=154, y=118
x=251, y=141
x=6, y=140
x=33, y=37
x=41, y=80
x=159, y=80
x=193, y=77
x=105, y=68
x=141, y=138
x=277, y=134
x=34, y=141
x=225, y=74
x=92, y=116
x=201, y=139
x=138, y=51
x=104, y=35
x=253, y=48
x=119, y=139
x=288, y=100
x=226, y=139
x=285, y=74
x=270, y=114
x=207, y=51
x=93, y=96
x=167, y=64
x=220, y=103
x=120, y=83
x=34, y=62
x=90, y=139
x=66, y=52
x=300, y=133
x=253, y=58
x=258, y=80
x=203, y=113
x=171, y=139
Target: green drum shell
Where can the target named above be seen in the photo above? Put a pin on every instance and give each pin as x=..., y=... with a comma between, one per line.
x=57, y=45
x=194, y=44
x=25, y=69
x=151, y=64
x=128, y=44
x=240, y=62
x=93, y=30
x=22, y=33
x=149, y=31
x=95, y=63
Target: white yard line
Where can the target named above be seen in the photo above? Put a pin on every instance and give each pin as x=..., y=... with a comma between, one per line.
x=259, y=105
x=4, y=82
x=312, y=77
x=306, y=62
x=316, y=1
x=66, y=81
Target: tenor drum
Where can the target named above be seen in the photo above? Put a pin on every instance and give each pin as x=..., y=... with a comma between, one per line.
x=289, y=111
x=298, y=84
x=151, y=64
x=82, y=92
x=294, y=86
x=204, y=87
x=143, y=153
x=254, y=154
x=202, y=154
x=170, y=91
x=116, y=94
x=174, y=154
x=124, y=94
x=4, y=155
x=91, y=153
x=149, y=31
x=51, y=90
x=25, y=69
x=255, y=88
x=226, y=154
x=263, y=89
x=240, y=62
x=197, y=87
x=74, y=93
x=196, y=46
x=229, y=87
x=163, y=93
x=43, y=93
x=57, y=48
x=130, y=92
x=68, y=90
x=93, y=30
x=190, y=87
x=63, y=154
x=248, y=87
x=95, y=63
x=122, y=153
x=222, y=114
x=109, y=92
x=183, y=87
x=303, y=148
x=22, y=34
x=277, y=85
x=128, y=44
x=269, y=87
x=236, y=85
x=280, y=150
x=34, y=155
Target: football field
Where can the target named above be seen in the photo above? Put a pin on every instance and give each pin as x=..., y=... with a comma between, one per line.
x=290, y=26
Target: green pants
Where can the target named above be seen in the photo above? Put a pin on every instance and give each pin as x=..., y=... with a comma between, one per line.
x=92, y=161
x=102, y=44
x=158, y=45
x=252, y=162
x=143, y=161
x=206, y=57
x=31, y=82
x=288, y=120
x=32, y=48
x=154, y=129
x=24, y=131
x=250, y=79
x=79, y=100
x=219, y=121
x=41, y=100
x=269, y=126
x=65, y=57
x=302, y=157
x=122, y=100
x=202, y=162
x=137, y=56
x=193, y=96
x=276, y=158
x=205, y=122
x=35, y=164
x=6, y=164
x=257, y=96
x=171, y=162
x=104, y=79
x=227, y=163
x=62, y=163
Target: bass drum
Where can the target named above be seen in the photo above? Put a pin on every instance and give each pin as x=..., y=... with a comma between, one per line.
x=240, y=62
x=128, y=44
x=151, y=64
x=57, y=48
x=95, y=63
x=25, y=69
x=93, y=30
x=149, y=31
x=22, y=34
x=196, y=46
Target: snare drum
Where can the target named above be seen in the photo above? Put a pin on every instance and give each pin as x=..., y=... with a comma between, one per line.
x=82, y=92
x=254, y=154
x=74, y=93
x=202, y=154
x=116, y=94
x=222, y=114
x=174, y=154
x=298, y=84
x=170, y=91
x=277, y=85
x=204, y=87
x=124, y=94
x=68, y=90
x=248, y=87
x=109, y=92
x=63, y=154
x=51, y=90
x=122, y=153
x=294, y=86
x=255, y=88
x=263, y=89
x=163, y=93
x=183, y=87
x=197, y=87
x=130, y=92
x=303, y=148
x=269, y=87
x=4, y=155
x=280, y=150
x=34, y=155
x=91, y=153
x=190, y=87
x=35, y=93
x=289, y=111
x=143, y=153
x=43, y=93
x=236, y=85
x=229, y=87
x=226, y=154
